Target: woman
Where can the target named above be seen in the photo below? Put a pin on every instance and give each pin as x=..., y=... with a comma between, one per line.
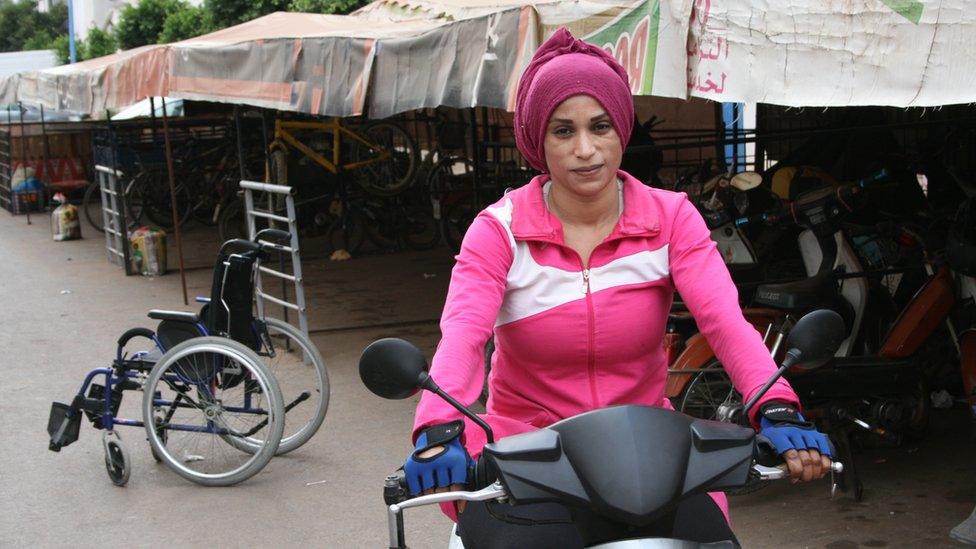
x=574, y=274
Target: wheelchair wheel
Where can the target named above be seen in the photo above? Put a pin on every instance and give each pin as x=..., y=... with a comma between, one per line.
x=117, y=461
x=300, y=372
x=201, y=413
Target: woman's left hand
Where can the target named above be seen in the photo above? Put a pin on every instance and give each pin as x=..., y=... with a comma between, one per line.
x=806, y=450
x=806, y=465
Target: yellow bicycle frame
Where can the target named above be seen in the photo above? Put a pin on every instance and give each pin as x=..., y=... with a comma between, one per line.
x=282, y=133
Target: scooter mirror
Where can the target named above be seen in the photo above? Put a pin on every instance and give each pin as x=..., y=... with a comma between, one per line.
x=392, y=368
x=815, y=338
x=746, y=181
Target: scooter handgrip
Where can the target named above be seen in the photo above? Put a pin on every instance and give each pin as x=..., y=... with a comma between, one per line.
x=481, y=475
x=835, y=466
x=395, y=489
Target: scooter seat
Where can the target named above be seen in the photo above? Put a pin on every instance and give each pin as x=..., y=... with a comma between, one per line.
x=800, y=296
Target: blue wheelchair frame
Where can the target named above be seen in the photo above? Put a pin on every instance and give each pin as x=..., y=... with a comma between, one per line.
x=108, y=420
x=64, y=422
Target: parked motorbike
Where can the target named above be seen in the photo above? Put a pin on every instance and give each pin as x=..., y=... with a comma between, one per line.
x=665, y=455
x=876, y=383
x=961, y=262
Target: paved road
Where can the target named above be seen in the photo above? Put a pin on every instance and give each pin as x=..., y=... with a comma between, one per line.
x=328, y=492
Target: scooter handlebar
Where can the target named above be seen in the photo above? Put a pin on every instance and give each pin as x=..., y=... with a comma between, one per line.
x=782, y=471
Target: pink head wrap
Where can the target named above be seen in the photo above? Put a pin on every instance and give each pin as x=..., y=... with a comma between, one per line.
x=561, y=68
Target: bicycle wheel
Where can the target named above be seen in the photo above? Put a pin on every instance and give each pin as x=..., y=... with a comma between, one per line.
x=203, y=208
x=278, y=165
x=133, y=204
x=702, y=397
x=419, y=228
x=346, y=233
x=380, y=224
x=151, y=190
x=449, y=176
x=394, y=174
x=91, y=205
x=297, y=366
x=231, y=222
x=210, y=390
x=455, y=220
x=708, y=390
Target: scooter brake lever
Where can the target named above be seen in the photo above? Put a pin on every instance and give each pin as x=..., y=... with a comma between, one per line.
x=833, y=484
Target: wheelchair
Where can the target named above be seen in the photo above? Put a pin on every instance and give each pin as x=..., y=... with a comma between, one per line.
x=217, y=387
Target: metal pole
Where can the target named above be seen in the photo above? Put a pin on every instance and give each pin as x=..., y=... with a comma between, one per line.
x=735, y=137
x=240, y=147
x=10, y=160
x=478, y=164
x=72, y=51
x=152, y=117
x=23, y=152
x=270, y=177
x=46, y=149
x=172, y=195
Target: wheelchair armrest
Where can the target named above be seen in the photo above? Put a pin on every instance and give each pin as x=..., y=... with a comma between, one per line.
x=136, y=332
x=178, y=316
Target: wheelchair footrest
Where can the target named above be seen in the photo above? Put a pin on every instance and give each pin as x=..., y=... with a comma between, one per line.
x=63, y=424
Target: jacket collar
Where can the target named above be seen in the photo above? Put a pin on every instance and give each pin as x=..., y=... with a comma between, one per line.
x=532, y=220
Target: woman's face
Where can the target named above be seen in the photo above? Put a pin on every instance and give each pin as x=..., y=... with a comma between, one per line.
x=583, y=150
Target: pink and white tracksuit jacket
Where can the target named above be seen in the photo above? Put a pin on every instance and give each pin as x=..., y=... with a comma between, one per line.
x=570, y=338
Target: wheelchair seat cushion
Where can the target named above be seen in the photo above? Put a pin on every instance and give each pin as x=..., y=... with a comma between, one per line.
x=173, y=332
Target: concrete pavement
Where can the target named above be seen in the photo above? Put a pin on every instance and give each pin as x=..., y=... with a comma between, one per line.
x=328, y=493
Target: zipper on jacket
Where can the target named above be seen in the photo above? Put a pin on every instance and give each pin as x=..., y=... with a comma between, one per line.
x=590, y=336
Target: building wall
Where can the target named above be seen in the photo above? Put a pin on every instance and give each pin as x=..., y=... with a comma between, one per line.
x=19, y=61
x=94, y=13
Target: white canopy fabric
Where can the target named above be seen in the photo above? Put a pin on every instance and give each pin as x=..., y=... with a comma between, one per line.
x=397, y=55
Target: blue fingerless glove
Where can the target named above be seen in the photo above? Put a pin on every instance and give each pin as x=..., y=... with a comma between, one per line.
x=786, y=429
x=449, y=466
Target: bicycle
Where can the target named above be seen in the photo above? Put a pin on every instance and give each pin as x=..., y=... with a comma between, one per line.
x=394, y=223
x=91, y=205
x=381, y=155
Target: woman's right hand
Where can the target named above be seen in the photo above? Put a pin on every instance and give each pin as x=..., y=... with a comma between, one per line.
x=439, y=461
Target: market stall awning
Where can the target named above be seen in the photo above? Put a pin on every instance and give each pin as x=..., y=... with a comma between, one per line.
x=396, y=55
x=802, y=53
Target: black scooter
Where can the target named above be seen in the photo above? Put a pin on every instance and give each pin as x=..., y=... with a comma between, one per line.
x=667, y=455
